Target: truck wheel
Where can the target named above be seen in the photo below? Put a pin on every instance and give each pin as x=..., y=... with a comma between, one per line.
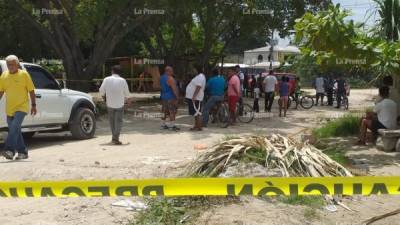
x=28, y=135
x=83, y=124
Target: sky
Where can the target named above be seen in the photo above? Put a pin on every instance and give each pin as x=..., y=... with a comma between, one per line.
x=362, y=11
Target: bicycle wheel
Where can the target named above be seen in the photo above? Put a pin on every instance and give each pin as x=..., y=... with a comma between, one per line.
x=307, y=102
x=289, y=102
x=292, y=103
x=346, y=103
x=223, y=116
x=246, y=114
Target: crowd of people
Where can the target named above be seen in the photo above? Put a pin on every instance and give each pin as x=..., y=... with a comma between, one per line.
x=201, y=96
x=331, y=88
x=216, y=88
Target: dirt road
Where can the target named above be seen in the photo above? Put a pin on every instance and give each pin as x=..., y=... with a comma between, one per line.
x=153, y=152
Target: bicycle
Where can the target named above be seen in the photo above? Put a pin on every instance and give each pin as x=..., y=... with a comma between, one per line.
x=220, y=114
x=244, y=112
x=344, y=102
x=305, y=101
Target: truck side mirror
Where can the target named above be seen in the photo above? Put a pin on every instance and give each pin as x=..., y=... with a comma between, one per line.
x=61, y=84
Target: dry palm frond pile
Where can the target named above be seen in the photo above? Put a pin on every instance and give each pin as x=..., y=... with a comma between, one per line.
x=273, y=152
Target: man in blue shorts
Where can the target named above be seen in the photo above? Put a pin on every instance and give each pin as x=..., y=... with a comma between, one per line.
x=169, y=98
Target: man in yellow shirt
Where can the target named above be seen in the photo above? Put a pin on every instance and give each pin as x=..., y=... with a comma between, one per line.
x=16, y=84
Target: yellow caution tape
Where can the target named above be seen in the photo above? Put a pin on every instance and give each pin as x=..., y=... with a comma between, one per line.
x=205, y=186
x=98, y=80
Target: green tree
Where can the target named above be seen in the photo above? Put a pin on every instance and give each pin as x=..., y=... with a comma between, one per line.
x=82, y=33
x=334, y=42
x=203, y=31
x=16, y=36
x=389, y=12
x=389, y=25
x=327, y=36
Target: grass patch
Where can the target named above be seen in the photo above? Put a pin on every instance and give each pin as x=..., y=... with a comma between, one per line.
x=313, y=201
x=310, y=214
x=160, y=211
x=337, y=154
x=344, y=126
x=179, y=210
x=229, y=137
x=254, y=155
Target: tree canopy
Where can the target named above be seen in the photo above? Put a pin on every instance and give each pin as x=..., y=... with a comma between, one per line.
x=85, y=33
x=335, y=42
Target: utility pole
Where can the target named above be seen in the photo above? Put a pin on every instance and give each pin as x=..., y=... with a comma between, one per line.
x=271, y=50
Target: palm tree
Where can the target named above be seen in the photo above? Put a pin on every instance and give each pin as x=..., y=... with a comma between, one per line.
x=389, y=11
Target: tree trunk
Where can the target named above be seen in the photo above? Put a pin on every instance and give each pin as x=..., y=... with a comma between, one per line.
x=76, y=79
x=61, y=36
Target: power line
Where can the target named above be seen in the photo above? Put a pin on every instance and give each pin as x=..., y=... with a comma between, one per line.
x=358, y=4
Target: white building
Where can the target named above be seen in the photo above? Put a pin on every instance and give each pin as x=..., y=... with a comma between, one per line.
x=260, y=55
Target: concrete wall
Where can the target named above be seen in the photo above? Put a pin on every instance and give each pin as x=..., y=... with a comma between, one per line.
x=252, y=57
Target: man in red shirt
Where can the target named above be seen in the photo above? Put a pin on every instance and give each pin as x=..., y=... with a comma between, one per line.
x=233, y=93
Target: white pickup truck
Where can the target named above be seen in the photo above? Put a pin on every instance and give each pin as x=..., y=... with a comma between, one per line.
x=58, y=109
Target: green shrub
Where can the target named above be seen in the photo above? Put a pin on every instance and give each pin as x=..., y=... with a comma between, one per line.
x=344, y=126
x=255, y=155
x=177, y=210
x=337, y=154
x=159, y=212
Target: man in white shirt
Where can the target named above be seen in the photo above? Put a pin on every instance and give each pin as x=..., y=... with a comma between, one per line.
x=393, y=92
x=269, y=84
x=115, y=90
x=319, y=85
x=384, y=116
x=194, y=97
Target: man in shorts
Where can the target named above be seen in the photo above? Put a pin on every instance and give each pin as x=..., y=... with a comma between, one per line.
x=319, y=85
x=233, y=93
x=169, y=98
x=194, y=97
x=384, y=116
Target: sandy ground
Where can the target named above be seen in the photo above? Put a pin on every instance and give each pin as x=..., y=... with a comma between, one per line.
x=152, y=152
